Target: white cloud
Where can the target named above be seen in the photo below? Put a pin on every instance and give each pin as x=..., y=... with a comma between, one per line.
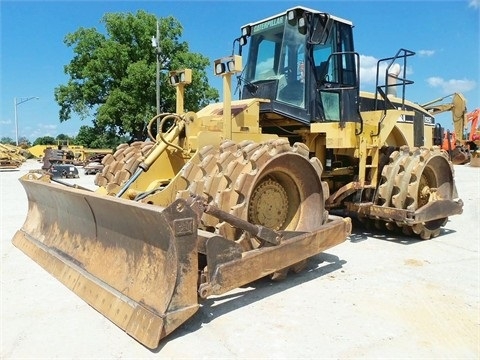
x=368, y=70
x=452, y=85
x=435, y=81
x=34, y=131
x=47, y=126
x=5, y=122
x=474, y=3
x=426, y=53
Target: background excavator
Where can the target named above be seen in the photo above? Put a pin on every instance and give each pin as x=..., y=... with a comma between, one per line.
x=474, y=134
x=245, y=188
x=474, y=137
x=456, y=143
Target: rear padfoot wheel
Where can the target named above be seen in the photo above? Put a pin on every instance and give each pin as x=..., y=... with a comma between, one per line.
x=411, y=180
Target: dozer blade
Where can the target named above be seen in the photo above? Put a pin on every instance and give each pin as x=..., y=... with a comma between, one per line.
x=135, y=263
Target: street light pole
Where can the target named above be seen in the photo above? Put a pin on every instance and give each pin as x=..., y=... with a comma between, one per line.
x=158, y=50
x=163, y=64
x=16, y=103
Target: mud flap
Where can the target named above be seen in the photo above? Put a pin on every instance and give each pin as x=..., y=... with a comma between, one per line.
x=136, y=264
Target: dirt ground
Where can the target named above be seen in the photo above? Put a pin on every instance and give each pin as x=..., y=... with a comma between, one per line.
x=374, y=296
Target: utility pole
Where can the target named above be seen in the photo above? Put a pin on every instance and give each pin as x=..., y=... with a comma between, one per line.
x=158, y=50
x=16, y=103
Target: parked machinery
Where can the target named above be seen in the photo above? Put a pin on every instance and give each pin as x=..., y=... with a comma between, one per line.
x=455, y=143
x=241, y=189
x=474, y=133
x=11, y=157
x=474, y=137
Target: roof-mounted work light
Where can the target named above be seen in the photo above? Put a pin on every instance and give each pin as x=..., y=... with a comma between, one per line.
x=246, y=30
x=291, y=16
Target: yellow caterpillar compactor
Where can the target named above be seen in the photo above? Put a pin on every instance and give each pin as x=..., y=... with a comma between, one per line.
x=244, y=189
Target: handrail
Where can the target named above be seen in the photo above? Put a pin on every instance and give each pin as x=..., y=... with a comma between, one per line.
x=402, y=81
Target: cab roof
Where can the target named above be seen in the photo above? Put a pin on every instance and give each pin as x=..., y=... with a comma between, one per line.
x=301, y=8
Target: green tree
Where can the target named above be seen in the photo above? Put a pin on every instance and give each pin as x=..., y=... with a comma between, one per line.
x=45, y=140
x=24, y=142
x=86, y=135
x=7, y=140
x=64, y=137
x=113, y=74
x=93, y=137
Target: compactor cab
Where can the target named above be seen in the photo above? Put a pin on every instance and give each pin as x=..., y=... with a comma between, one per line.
x=378, y=149
x=304, y=62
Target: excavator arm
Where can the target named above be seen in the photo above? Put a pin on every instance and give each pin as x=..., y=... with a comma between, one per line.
x=454, y=143
x=458, y=107
x=473, y=118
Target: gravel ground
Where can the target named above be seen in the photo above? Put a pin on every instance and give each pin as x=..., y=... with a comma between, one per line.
x=374, y=296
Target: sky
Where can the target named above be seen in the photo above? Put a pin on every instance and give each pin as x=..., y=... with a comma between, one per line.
x=443, y=34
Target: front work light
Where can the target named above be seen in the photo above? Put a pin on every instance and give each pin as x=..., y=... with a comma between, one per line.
x=180, y=77
x=230, y=64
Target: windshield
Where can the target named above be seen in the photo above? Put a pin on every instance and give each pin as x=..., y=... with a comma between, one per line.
x=275, y=47
x=277, y=52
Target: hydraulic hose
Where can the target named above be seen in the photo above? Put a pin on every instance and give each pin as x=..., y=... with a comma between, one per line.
x=160, y=146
